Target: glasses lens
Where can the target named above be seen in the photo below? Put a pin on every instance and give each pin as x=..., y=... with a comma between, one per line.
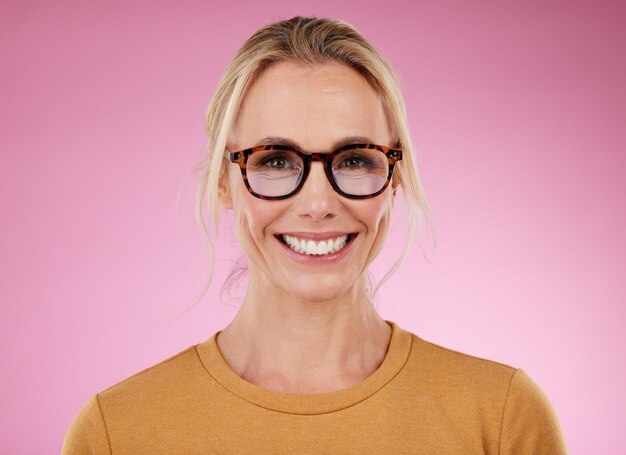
x=274, y=172
x=360, y=172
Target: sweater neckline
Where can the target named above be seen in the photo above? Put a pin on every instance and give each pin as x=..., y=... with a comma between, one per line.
x=307, y=404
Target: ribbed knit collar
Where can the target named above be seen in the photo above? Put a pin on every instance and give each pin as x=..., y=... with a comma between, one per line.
x=319, y=403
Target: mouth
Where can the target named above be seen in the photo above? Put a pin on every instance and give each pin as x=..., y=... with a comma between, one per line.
x=309, y=247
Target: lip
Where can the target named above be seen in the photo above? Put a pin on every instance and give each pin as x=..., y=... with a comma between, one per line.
x=326, y=259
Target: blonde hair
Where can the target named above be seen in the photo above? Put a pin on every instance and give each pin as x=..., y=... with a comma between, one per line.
x=308, y=41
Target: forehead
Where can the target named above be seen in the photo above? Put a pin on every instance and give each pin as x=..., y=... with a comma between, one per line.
x=314, y=106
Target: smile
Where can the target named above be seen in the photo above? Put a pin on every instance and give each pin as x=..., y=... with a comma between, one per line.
x=320, y=248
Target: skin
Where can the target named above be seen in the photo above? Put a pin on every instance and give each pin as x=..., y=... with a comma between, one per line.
x=302, y=328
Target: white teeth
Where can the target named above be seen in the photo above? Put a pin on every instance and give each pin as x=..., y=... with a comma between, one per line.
x=309, y=247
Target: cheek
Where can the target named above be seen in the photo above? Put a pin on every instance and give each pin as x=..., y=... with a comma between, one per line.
x=259, y=214
x=254, y=216
x=377, y=218
x=376, y=212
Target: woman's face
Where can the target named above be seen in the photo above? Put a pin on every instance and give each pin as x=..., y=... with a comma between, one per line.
x=315, y=108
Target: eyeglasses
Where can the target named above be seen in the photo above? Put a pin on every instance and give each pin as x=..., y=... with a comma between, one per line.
x=355, y=171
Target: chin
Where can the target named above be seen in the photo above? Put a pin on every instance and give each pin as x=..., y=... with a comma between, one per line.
x=319, y=290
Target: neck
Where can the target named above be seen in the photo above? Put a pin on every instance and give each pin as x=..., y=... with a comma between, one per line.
x=296, y=346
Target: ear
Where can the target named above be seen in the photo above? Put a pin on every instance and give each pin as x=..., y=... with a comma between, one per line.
x=224, y=192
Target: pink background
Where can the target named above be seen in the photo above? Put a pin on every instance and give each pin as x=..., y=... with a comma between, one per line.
x=518, y=110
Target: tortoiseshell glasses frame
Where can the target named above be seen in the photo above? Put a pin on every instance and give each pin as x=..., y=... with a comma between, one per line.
x=240, y=157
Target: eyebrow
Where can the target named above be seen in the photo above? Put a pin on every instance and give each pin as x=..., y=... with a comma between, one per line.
x=278, y=140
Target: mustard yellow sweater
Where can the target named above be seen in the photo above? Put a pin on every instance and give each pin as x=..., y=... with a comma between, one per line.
x=423, y=399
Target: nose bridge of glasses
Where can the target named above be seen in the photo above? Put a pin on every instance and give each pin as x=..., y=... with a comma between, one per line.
x=317, y=161
x=321, y=157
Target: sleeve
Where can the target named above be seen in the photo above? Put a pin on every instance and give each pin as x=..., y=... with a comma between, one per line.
x=529, y=422
x=87, y=434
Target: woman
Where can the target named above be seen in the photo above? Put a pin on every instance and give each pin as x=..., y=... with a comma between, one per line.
x=315, y=144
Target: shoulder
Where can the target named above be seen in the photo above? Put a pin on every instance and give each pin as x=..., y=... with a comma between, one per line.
x=177, y=377
x=508, y=400
x=125, y=403
x=436, y=363
x=167, y=371
x=87, y=433
x=529, y=422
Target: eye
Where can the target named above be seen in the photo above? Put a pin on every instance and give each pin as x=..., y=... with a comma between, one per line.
x=354, y=161
x=276, y=161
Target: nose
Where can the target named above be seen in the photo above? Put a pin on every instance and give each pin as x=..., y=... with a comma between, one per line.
x=317, y=199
